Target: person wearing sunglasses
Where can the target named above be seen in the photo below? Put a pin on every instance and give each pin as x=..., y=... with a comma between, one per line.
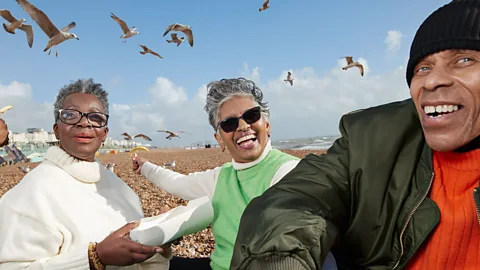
x=70, y=212
x=241, y=121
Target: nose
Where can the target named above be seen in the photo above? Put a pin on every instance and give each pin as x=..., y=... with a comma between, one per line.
x=436, y=78
x=242, y=125
x=84, y=122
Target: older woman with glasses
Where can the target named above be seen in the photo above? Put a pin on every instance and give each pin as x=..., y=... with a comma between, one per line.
x=241, y=123
x=70, y=212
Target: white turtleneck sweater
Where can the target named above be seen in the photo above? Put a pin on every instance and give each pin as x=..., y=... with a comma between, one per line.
x=49, y=218
x=199, y=184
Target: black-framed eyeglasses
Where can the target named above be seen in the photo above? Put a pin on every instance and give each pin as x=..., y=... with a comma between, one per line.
x=72, y=117
x=250, y=116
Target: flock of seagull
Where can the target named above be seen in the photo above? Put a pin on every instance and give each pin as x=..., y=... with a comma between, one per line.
x=171, y=135
x=56, y=36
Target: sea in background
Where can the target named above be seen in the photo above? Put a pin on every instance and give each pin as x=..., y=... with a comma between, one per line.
x=35, y=153
x=312, y=143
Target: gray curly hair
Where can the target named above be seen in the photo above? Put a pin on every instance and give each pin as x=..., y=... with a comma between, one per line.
x=86, y=86
x=220, y=91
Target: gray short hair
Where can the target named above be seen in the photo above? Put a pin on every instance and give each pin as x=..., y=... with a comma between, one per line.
x=80, y=86
x=220, y=91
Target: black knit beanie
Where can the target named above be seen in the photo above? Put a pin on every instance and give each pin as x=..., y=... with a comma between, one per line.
x=456, y=25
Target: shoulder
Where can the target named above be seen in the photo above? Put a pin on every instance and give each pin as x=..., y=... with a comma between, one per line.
x=35, y=189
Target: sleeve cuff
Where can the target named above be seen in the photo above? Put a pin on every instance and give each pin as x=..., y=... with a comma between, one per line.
x=274, y=263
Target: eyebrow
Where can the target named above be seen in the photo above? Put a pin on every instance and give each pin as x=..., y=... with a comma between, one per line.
x=92, y=109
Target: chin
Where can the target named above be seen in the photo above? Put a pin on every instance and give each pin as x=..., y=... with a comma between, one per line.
x=443, y=143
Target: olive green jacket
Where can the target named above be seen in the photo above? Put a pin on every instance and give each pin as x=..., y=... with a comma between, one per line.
x=366, y=200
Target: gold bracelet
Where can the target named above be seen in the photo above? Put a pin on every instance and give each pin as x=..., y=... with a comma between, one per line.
x=92, y=254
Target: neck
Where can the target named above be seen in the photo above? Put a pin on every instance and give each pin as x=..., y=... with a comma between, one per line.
x=242, y=166
x=472, y=145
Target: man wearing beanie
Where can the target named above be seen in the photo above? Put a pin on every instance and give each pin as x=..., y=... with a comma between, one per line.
x=399, y=189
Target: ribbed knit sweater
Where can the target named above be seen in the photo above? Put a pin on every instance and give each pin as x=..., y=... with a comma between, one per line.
x=455, y=242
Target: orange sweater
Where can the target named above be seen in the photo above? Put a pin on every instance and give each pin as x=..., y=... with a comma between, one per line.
x=455, y=242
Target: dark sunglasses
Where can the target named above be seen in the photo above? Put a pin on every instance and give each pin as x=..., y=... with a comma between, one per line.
x=72, y=117
x=250, y=116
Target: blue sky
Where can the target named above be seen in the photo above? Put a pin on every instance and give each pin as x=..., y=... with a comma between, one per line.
x=285, y=37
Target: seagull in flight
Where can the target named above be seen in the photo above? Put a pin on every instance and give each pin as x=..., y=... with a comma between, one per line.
x=265, y=6
x=351, y=63
x=128, y=137
x=147, y=50
x=187, y=30
x=172, y=134
x=289, y=78
x=56, y=36
x=15, y=24
x=127, y=32
x=175, y=39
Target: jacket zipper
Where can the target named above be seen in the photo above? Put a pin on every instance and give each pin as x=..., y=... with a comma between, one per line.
x=476, y=201
x=410, y=217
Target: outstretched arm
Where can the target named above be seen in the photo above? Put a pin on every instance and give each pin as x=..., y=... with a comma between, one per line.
x=187, y=187
x=294, y=224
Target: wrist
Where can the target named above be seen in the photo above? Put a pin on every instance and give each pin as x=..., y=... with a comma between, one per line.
x=93, y=258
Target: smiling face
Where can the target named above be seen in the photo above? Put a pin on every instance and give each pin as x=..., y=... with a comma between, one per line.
x=81, y=140
x=446, y=90
x=247, y=142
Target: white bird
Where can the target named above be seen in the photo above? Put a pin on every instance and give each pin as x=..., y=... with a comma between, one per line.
x=351, y=63
x=56, y=36
x=170, y=164
x=111, y=167
x=172, y=134
x=289, y=78
x=24, y=169
x=147, y=50
x=127, y=32
x=175, y=39
x=17, y=24
x=187, y=30
x=265, y=6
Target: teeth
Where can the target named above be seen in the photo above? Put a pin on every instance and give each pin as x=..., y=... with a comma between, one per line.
x=244, y=138
x=440, y=109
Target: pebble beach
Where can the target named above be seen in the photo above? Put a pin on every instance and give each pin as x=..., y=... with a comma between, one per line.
x=153, y=199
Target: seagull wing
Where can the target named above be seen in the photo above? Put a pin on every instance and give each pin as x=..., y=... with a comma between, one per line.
x=169, y=28
x=156, y=54
x=40, y=18
x=360, y=66
x=189, y=34
x=167, y=131
x=28, y=29
x=349, y=59
x=142, y=136
x=174, y=36
x=145, y=48
x=265, y=4
x=68, y=27
x=7, y=15
x=126, y=136
x=120, y=22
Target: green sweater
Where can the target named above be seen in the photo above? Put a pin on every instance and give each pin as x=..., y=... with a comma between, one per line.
x=233, y=191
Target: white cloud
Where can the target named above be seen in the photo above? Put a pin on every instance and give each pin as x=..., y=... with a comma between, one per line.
x=316, y=101
x=311, y=107
x=26, y=113
x=393, y=41
x=169, y=108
